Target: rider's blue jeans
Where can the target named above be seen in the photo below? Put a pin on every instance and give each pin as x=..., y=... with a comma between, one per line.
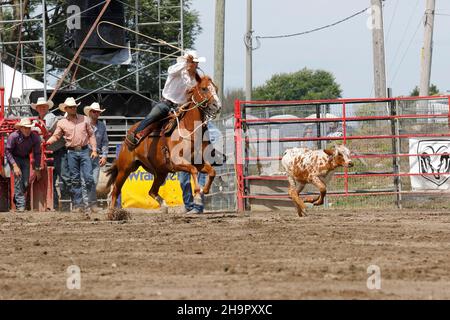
x=159, y=111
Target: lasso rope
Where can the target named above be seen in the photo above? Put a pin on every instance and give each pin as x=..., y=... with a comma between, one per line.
x=197, y=104
x=140, y=34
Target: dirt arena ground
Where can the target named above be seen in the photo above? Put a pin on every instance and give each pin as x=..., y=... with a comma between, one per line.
x=227, y=256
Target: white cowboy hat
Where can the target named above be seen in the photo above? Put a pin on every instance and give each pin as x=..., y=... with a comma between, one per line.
x=94, y=106
x=42, y=102
x=194, y=54
x=24, y=122
x=68, y=102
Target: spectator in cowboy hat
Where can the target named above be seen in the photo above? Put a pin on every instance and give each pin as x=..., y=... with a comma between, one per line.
x=93, y=112
x=61, y=171
x=78, y=134
x=42, y=107
x=20, y=144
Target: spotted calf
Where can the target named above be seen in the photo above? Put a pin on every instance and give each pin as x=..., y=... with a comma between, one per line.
x=304, y=165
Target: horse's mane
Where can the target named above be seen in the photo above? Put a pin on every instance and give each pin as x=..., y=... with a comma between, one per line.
x=198, y=78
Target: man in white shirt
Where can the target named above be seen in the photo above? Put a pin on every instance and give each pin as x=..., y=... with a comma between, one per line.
x=182, y=77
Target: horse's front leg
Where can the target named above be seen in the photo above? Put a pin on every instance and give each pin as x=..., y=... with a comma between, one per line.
x=184, y=165
x=209, y=170
x=198, y=192
x=182, y=160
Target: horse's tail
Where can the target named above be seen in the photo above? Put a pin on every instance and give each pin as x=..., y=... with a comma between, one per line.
x=112, y=172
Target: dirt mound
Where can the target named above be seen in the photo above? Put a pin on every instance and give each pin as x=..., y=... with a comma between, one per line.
x=118, y=215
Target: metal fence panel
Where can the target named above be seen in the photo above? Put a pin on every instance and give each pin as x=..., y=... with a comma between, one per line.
x=378, y=131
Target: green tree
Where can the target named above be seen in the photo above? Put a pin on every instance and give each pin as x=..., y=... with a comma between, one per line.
x=305, y=84
x=432, y=91
x=55, y=15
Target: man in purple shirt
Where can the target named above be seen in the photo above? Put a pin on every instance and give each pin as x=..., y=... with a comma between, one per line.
x=18, y=148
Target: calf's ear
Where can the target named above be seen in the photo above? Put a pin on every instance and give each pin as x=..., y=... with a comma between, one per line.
x=328, y=152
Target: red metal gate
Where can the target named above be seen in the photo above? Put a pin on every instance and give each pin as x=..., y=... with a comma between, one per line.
x=379, y=131
x=40, y=199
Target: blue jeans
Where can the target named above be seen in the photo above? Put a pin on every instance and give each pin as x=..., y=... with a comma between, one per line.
x=21, y=183
x=158, y=111
x=65, y=176
x=61, y=171
x=80, y=164
x=186, y=188
x=91, y=198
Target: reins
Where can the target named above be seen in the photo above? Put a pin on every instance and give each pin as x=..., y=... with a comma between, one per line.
x=196, y=105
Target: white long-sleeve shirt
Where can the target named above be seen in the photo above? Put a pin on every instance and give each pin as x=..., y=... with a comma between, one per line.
x=178, y=82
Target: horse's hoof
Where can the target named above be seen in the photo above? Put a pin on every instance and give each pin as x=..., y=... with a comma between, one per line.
x=164, y=209
x=198, y=200
x=109, y=214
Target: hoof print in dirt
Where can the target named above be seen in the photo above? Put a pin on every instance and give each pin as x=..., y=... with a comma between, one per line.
x=118, y=215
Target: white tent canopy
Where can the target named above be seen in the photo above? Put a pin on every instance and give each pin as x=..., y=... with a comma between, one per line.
x=29, y=83
x=322, y=115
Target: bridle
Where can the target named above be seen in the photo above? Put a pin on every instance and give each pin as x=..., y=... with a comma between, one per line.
x=202, y=104
x=211, y=112
x=202, y=101
x=198, y=104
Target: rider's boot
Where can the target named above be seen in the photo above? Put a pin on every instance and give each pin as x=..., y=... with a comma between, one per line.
x=158, y=112
x=134, y=138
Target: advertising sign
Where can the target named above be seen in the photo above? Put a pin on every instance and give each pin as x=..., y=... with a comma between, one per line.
x=136, y=188
x=432, y=162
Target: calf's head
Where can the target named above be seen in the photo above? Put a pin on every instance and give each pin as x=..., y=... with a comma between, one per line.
x=341, y=155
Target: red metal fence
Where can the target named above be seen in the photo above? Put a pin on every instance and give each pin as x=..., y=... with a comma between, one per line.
x=41, y=193
x=381, y=132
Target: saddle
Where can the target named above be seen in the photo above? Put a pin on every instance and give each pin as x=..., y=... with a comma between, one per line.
x=161, y=128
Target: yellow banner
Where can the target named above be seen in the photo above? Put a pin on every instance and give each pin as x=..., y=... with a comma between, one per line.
x=135, y=191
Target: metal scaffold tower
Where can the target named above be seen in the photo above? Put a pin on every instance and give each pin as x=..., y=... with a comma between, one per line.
x=29, y=53
x=143, y=20
x=14, y=17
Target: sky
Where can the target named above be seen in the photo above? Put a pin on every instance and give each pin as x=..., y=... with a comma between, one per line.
x=345, y=50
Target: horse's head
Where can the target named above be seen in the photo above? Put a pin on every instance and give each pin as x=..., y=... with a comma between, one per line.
x=204, y=94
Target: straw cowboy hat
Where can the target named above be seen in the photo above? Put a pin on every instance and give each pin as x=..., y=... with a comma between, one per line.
x=24, y=122
x=42, y=102
x=194, y=54
x=94, y=106
x=68, y=102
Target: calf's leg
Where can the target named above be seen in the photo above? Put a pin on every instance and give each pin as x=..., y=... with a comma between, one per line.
x=294, y=190
x=322, y=188
x=311, y=199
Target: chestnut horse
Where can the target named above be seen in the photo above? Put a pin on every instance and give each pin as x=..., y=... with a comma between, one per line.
x=160, y=155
